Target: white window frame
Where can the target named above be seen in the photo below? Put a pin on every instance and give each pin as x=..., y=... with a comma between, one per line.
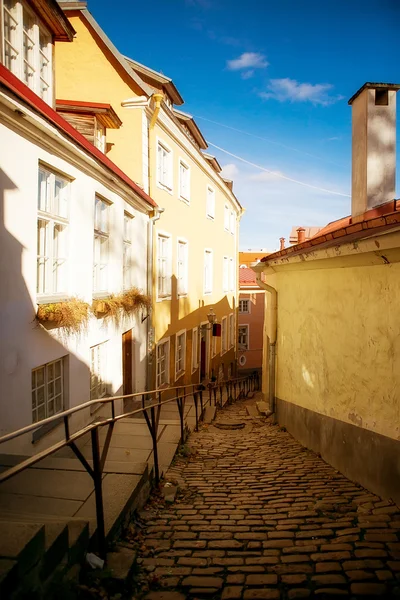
x=164, y=267
x=226, y=218
x=98, y=370
x=165, y=342
x=47, y=384
x=208, y=270
x=225, y=274
x=182, y=271
x=184, y=194
x=195, y=348
x=210, y=203
x=180, y=369
x=101, y=243
x=241, y=302
x=232, y=278
x=127, y=280
x=165, y=176
x=244, y=347
x=224, y=335
x=27, y=52
x=232, y=223
x=231, y=330
x=51, y=267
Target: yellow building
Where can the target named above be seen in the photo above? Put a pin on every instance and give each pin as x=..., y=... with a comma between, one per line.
x=195, y=241
x=331, y=365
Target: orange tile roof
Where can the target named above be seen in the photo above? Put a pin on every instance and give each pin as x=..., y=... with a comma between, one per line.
x=247, y=276
x=348, y=229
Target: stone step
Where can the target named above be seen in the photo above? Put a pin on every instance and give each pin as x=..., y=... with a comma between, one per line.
x=263, y=408
x=209, y=414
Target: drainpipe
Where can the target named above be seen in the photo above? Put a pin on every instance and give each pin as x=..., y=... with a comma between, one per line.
x=272, y=343
x=154, y=216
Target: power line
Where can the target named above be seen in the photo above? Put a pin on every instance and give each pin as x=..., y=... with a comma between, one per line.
x=259, y=137
x=277, y=174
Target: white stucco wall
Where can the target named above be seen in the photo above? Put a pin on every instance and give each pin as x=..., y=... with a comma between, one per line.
x=23, y=344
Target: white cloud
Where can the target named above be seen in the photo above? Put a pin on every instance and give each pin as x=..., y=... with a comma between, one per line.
x=247, y=74
x=230, y=171
x=248, y=60
x=292, y=90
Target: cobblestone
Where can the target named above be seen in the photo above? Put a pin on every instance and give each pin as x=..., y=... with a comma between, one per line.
x=259, y=517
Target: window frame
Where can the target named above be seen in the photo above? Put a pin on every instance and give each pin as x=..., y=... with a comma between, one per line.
x=195, y=349
x=184, y=164
x=182, y=370
x=45, y=291
x=232, y=271
x=127, y=252
x=182, y=242
x=63, y=360
x=167, y=186
x=210, y=214
x=208, y=252
x=231, y=327
x=101, y=383
x=247, y=327
x=232, y=222
x=101, y=236
x=167, y=343
x=244, y=312
x=168, y=276
x=225, y=274
x=226, y=218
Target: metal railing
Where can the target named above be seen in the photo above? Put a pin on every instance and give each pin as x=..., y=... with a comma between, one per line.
x=151, y=405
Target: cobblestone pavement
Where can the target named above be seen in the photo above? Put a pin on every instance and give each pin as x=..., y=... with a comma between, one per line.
x=258, y=516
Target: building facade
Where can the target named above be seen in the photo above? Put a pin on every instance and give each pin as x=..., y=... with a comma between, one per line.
x=332, y=329
x=251, y=322
x=74, y=229
x=195, y=243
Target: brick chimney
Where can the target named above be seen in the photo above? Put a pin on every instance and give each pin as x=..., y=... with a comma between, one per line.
x=301, y=235
x=374, y=146
x=282, y=243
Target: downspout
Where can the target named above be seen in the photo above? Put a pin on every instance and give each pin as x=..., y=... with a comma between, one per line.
x=272, y=343
x=158, y=98
x=154, y=216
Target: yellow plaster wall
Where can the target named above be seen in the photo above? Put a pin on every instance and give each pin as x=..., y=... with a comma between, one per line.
x=338, y=350
x=87, y=71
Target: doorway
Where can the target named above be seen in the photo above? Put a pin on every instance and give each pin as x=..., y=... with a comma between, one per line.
x=127, y=362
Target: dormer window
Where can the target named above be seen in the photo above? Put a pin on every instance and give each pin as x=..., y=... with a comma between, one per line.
x=26, y=48
x=91, y=119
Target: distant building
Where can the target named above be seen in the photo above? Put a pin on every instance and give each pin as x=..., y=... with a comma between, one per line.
x=309, y=232
x=251, y=322
x=249, y=258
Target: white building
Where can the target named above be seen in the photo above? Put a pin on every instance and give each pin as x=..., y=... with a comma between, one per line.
x=72, y=225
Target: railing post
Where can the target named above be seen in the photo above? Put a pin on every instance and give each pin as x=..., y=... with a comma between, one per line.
x=215, y=394
x=155, y=448
x=66, y=427
x=220, y=395
x=181, y=410
x=196, y=410
x=234, y=392
x=97, y=478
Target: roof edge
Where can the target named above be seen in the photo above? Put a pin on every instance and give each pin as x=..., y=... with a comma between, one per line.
x=369, y=85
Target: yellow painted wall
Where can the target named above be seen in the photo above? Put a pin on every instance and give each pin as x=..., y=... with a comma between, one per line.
x=338, y=349
x=87, y=71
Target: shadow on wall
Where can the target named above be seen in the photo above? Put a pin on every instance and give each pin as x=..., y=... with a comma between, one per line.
x=24, y=344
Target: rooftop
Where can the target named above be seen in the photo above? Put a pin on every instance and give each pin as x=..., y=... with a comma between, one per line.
x=247, y=277
x=373, y=86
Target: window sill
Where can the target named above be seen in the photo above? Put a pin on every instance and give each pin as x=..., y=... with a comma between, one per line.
x=183, y=295
x=162, y=298
x=38, y=434
x=207, y=293
x=184, y=200
x=163, y=386
x=100, y=295
x=211, y=218
x=179, y=374
x=52, y=298
x=167, y=189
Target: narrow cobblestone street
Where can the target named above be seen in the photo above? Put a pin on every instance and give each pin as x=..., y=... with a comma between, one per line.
x=258, y=516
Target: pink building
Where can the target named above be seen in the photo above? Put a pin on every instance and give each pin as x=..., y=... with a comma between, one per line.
x=251, y=322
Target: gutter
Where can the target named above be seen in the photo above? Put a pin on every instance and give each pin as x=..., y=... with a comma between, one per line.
x=272, y=344
x=154, y=216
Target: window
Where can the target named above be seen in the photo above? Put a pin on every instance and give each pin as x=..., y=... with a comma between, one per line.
x=213, y=345
x=224, y=335
x=231, y=331
x=180, y=354
x=127, y=257
x=98, y=371
x=27, y=48
x=162, y=363
x=208, y=271
x=53, y=200
x=101, y=244
x=233, y=222
x=163, y=265
x=244, y=306
x=48, y=390
x=231, y=274
x=164, y=167
x=225, y=274
x=100, y=136
x=226, y=217
x=184, y=181
x=182, y=268
x=243, y=337
x=210, y=203
x=195, y=349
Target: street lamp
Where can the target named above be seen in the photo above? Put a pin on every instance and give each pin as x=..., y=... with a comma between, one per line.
x=211, y=316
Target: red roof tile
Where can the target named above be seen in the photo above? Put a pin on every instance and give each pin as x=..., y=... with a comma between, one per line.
x=247, y=276
x=24, y=93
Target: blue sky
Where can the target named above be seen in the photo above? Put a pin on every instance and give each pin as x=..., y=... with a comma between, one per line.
x=281, y=71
